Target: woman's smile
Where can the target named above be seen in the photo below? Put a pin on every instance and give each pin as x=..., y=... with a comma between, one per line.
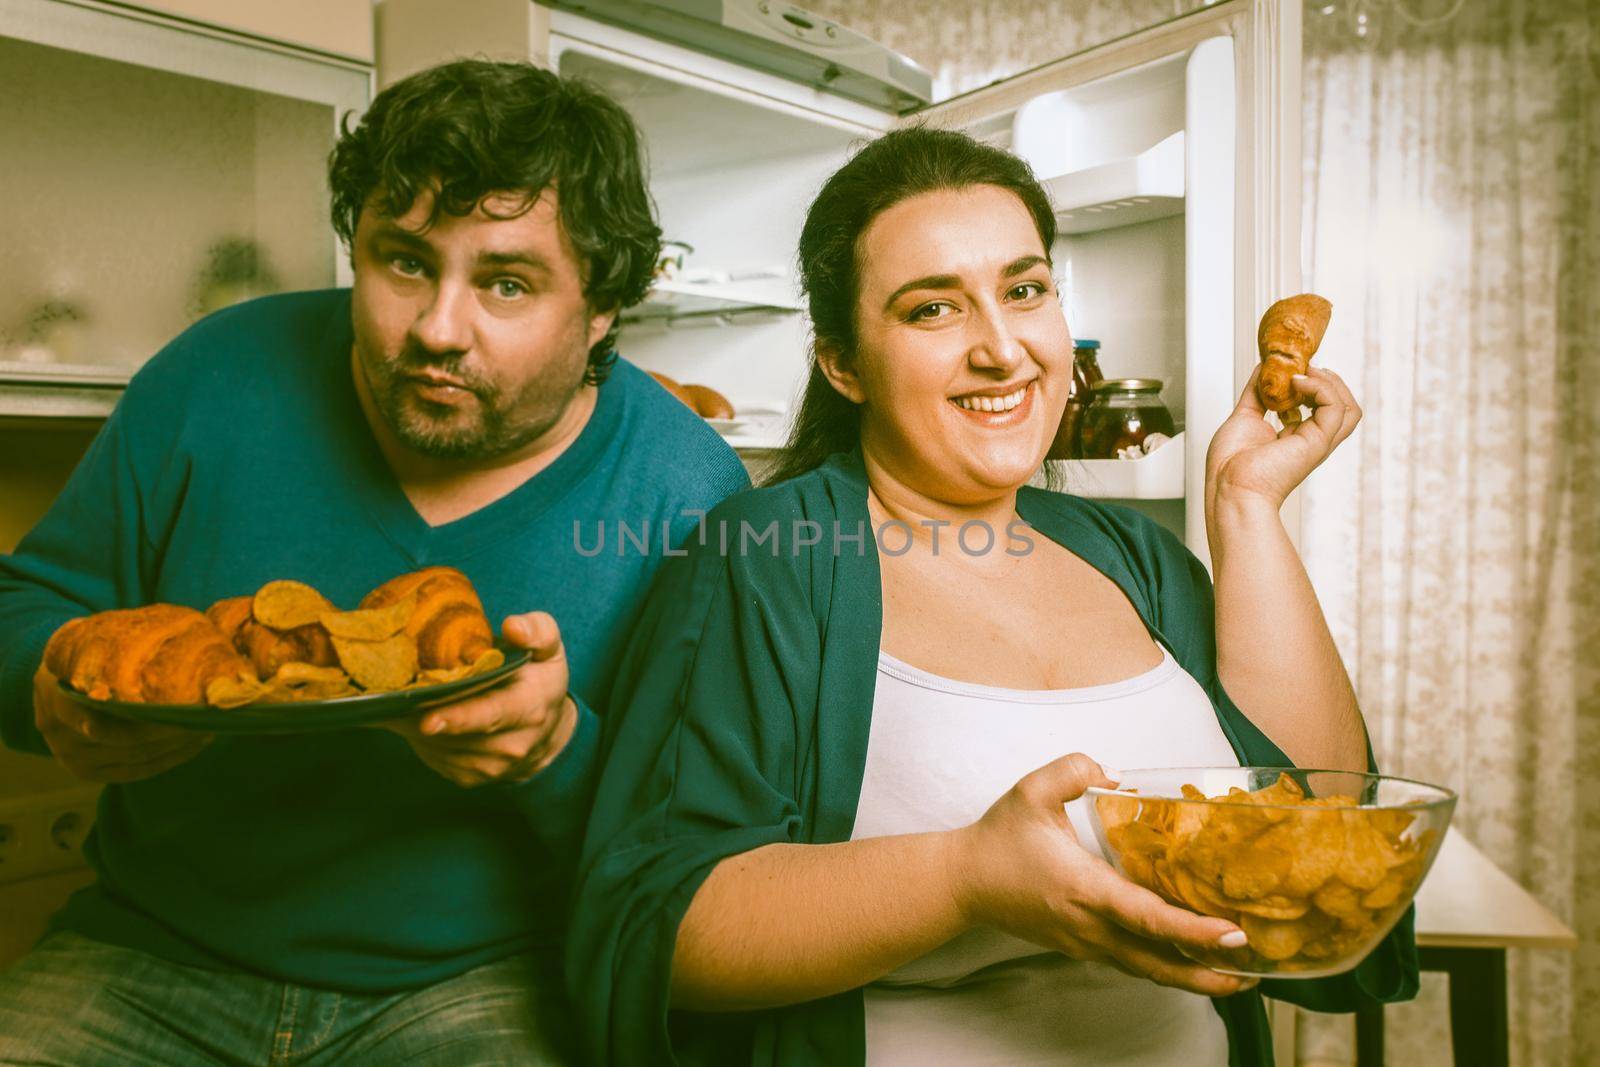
x=997, y=408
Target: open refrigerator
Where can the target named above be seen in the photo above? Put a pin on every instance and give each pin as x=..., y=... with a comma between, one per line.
x=1161, y=153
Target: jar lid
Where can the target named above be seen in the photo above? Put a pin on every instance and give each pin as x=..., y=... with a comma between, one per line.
x=1085, y=342
x=1128, y=385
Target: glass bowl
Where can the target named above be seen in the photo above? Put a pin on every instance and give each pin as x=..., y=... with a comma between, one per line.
x=1314, y=866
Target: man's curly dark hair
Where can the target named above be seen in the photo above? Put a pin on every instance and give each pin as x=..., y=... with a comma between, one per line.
x=474, y=127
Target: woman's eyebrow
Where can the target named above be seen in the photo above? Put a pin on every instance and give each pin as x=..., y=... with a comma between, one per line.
x=1022, y=265
x=932, y=281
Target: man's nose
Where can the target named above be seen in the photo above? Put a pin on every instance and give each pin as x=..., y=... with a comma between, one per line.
x=445, y=325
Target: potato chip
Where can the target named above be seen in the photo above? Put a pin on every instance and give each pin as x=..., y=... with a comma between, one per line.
x=1275, y=906
x=1315, y=843
x=442, y=675
x=1274, y=939
x=296, y=673
x=370, y=624
x=378, y=666
x=1366, y=856
x=1137, y=837
x=1139, y=867
x=1284, y=791
x=326, y=690
x=1387, y=892
x=233, y=691
x=296, y=682
x=1201, y=897
x=1250, y=873
x=1390, y=822
x=1340, y=901
x=1164, y=881
x=1188, y=820
x=285, y=605
x=488, y=660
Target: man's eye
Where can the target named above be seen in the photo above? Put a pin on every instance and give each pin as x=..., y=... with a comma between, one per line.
x=1027, y=291
x=507, y=289
x=407, y=265
x=929, y=312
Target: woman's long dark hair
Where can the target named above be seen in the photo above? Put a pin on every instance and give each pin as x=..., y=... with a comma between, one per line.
x=895, y=167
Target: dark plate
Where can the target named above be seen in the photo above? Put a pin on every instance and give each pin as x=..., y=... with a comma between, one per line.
x=308, y=716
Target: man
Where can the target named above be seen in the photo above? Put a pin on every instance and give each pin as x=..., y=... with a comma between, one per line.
x=367, y=896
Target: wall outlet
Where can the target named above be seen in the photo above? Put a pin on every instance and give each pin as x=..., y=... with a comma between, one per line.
x=44, y=833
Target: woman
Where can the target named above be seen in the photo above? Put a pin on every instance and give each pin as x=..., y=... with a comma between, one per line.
x=798, y=854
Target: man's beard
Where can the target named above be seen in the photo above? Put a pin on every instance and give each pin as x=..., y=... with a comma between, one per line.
x=481, y=429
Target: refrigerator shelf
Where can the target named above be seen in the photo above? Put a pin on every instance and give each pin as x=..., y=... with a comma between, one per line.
x=754, y=442
x=669, y=300
x=1158, y=476
x=758, y=427
x=88, y=374
x=1122, y=192
x=57, y=400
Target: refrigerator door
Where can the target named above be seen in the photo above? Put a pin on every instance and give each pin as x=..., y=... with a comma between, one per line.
x=1171, y=157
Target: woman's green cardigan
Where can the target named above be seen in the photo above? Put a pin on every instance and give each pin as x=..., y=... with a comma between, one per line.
x=740, y=718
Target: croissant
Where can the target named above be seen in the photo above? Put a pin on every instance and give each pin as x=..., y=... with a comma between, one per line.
x=158, y=654
x=1289, y=334
x=266, y=648
x=448, y=622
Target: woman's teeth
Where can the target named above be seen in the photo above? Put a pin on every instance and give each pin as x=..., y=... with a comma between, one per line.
x=992, y=403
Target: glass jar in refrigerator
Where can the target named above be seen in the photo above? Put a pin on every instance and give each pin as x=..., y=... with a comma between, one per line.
x=1123, y=414
x=1085, y=373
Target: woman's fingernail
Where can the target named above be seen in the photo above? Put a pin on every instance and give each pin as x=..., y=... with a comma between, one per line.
x=1111, y=773
x=433, y=726
x=1233, y=939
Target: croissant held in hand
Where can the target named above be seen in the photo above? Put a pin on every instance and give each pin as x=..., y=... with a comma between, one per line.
x=448, y=624
x=1289, y=334
x=158, y=654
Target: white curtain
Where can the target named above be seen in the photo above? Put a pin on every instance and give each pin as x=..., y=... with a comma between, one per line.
x=1452, y=215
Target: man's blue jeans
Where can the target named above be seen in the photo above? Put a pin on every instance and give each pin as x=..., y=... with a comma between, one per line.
x=80, y=1003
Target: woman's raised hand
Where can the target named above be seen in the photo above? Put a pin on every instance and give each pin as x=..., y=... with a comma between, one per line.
x=1250, y=461
x=1020, y=868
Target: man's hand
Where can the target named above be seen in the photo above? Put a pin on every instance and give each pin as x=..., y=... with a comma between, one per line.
x=104, y=748
x=509, y=733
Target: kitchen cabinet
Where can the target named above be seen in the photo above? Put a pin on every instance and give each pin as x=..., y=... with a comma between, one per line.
x=156, y=167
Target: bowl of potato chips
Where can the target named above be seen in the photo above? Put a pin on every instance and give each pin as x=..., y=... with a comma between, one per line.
x=1314, y=866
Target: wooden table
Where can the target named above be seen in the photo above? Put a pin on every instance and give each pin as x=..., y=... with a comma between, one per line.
x=1468, y=913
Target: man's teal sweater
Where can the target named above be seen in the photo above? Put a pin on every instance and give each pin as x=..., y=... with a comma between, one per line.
x=239, y=455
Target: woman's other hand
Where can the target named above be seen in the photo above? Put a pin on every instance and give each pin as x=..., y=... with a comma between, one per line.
x=1251, y=463
x=1020, y=868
